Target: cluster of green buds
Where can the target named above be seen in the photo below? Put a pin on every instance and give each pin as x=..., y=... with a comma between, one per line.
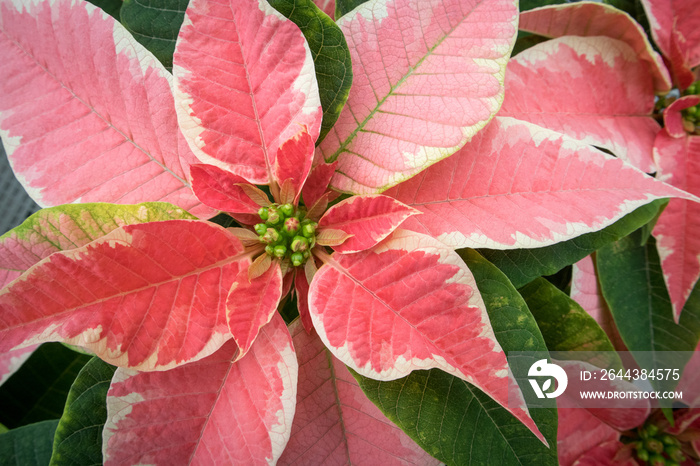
x=658, y=448
x=692, y=114
x=286, y=233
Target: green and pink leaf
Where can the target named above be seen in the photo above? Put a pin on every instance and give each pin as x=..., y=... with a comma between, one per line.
x=68, y=227
x=213, y=411
x=147, y=296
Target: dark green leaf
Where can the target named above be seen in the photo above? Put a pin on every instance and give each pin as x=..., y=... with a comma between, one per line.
x=633, y=286
x=344, y=6
x=38, y=390
x=524, y=265
x=29, y=445
x=453, y=420
x=111, y=7
x=530, y=4
x=526, y=40
x=155, y=24
x=330, y=53
x=79, y=434
x=566, y=326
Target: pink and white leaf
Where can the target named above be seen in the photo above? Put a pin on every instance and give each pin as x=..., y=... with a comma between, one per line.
x=597, y=19
x=89, y=116
x=673, y=118
x=68, y=227
x=679, y=18
x=585, y=290
x=427, y=76
x=410, y=303
x=676, y=230
x=293, y=161
x=517, y=185
x=369, y=219
x=594, y=89
x=11, y=361
x=251, y=303
x=335, y=423
x=149, y=296
x=244, y=83
x=222, y=190
x=213, y=411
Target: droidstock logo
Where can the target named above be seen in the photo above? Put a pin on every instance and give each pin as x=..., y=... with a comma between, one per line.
x=544, y=369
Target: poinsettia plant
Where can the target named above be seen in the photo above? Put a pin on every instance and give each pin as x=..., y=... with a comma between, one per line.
x=393, y=178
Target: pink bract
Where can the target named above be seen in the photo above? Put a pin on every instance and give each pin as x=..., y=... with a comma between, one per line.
x=88, y=118
x=413, y=105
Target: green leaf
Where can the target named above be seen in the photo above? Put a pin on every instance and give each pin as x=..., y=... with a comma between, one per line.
x=330, y=53
x=73, y=225
x=111, y=7
x=522, y=266
x=453, y=420
x=632, y=284
x=566, y=326
x=345, y=6
x=29, y=445
x=38, y=390
x=70, y=226
x=155, y=24
x=78, y=437
x=530, y=4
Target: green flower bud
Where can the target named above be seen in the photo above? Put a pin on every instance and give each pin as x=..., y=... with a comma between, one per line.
x=653, y=445
x=297, y=259
x=271, y=236
x=676, y=454
x=657, y=460
x=273, y=216
x=308, y=229
x=287, y=209
x=692, y=111
x=643, y=455
x=291, y=226
x=280, y=251
x=260, y=228
x=262, y=212
x=693, y=88
x=670, y=440
x=270, y=250
x=651, y=430
x=299, y=243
